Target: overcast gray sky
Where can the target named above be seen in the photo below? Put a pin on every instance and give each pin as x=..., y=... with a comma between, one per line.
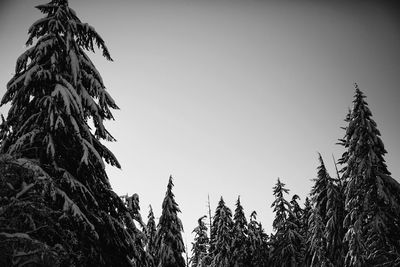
x=226, y=96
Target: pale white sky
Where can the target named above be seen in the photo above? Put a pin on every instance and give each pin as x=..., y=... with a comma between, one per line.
x=226, y=96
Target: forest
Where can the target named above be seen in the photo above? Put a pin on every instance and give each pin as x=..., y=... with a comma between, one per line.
x=57, y=207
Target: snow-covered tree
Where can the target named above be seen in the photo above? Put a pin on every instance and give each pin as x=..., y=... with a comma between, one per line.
x=200, y=245
x=169, y=240
x=55, y=92
x=140, y=239
x=240, y=242
x=316, y=241
x=258, y=249
x=334, y=231
x=287, y=240
x=372, y=197
x=151, y=236
x=319, y=190
x=221, y=238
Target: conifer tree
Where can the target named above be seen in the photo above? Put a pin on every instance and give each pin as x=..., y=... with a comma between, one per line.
x=316, y=242
x=316, y=246
x=151, y=236
x=54, y=93
x=287, y=241
x=133, y=206
x=306, y=233
x=200, y=246
x=334, y=231
x=221, y=239
x=258, y=243
x=319, y=190
x=371, y=195
x=169, y=240
x=240, y=243
x=305, y=217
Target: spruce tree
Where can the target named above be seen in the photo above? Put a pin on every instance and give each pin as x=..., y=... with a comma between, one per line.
x=319, y=190
x=54, y=93
x=316, y=242
x=169, y=240
x=258, y=248
x=334, y=231
x=151, y=236
x=200, y=245
x=287, y=240
x=133, y=206
x=371, y=196
x=240, y=243
x=221, y=239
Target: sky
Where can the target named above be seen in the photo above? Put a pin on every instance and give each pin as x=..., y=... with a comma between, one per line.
x=228, y=95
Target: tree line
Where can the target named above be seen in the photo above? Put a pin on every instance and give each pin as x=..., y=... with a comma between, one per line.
x=57, y=207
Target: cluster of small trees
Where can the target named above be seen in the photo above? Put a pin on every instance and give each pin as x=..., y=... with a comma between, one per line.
x=57, y=207
x=233, y=241
x=352, y=219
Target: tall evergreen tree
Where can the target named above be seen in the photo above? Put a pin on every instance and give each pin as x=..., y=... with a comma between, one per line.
x=257, y=243
x=151, y=236
x=169, y=240
x=316, y=242
x=287, y=241
x=133, y=206
x=200, y=246
x=239, y=243
x=221, y=239
x=319, y=190
x=55, y=91
x=334, y=231
x=371, y=195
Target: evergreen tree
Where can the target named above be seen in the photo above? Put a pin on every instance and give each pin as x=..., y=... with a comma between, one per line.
x=258, y=243
x=317, y=249
x=239, y=244
x=334, y=231
x=200, y=245
x=319, y=190
x=133, y=206
x=221, y=239
x=55, y=91
x=151, y=236
x=287, y=241
x=305, y=218
x=316, y=242
x=306, y=233
x=169, y=240
x=297, y=212
x=371, y=195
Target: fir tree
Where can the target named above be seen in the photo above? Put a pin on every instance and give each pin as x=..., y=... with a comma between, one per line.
x=334, y=231
x=319, y=190
x=221, y=239
x=257, y=242
x=133, y=206
x=55, y=91
x=151, y=236
x=200, y=246
x=169, y=240
x=239, y=244
x=316, y=242
x=305, y=232
x=305, y=218
x=371, y=195
x=317, y=249
x=287, y=240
